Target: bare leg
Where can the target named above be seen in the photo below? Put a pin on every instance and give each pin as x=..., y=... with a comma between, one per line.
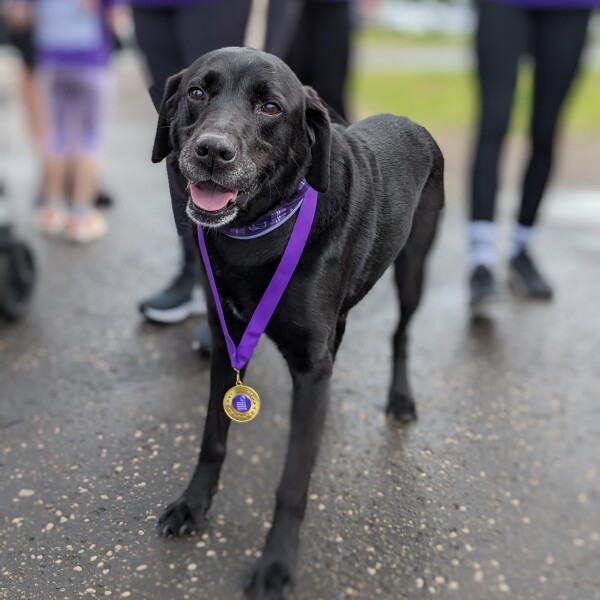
x=85, y=184
x=55, y=178
x=34, y=109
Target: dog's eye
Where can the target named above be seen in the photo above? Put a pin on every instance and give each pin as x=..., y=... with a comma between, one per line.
x=195, y=94
x=270, y=108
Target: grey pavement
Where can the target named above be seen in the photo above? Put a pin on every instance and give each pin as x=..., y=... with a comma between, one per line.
x=493, y=493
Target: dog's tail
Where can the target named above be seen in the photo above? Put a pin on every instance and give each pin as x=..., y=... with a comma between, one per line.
x=436, y=177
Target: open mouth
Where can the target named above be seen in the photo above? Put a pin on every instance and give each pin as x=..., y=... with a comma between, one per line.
x=212, y=197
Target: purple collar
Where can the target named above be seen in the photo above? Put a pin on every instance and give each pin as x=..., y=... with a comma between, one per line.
x=270, y=221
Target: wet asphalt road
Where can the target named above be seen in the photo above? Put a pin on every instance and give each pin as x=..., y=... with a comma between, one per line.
x=493, y=493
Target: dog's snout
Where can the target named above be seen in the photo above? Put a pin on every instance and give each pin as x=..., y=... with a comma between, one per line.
x=215, y=150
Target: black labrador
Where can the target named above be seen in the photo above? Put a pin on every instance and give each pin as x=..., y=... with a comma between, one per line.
x=242, y=133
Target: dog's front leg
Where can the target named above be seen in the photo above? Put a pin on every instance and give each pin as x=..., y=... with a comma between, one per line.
x=274, y=571
x=186, y=514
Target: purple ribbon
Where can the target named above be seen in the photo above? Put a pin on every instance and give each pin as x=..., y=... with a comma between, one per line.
x=241, y=354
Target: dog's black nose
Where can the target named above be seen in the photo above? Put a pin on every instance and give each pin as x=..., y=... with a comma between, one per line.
x=215, y=150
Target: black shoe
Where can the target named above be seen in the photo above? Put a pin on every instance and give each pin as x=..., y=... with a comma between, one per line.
x=524, y=278
x=103, y=200
x=484, y=292
x=182, y=299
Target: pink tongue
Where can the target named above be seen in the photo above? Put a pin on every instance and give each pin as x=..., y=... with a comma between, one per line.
x=210, y=196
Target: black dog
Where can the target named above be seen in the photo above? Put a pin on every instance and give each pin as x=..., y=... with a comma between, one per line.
x=243, y=133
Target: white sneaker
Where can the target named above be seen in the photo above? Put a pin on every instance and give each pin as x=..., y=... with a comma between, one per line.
x=51, y=219
x=86, y=228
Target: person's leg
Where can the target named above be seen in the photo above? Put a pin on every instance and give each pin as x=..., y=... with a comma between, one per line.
x=54, y=195
x=22, y=40
x=200, y=29
x=503, y=35
x=52, y=211
x=325, y=40
x=85, y=184
x=558, y=44
x=157, y=38
x=94, y=90
x=300, y=54
x=283, y=19
x=90, y=93
x=171, y=40
x=210, y=25
x=559, y=40
x=30, y=94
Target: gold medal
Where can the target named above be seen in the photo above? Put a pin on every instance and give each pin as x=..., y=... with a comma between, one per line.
x=241, y=403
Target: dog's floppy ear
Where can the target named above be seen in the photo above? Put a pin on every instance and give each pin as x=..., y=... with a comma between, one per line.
x=162, y=140
x=319, y=134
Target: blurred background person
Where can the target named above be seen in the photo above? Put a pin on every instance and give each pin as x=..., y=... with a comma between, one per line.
x=553, y=33
x=19, y=28
x=73, y=44
x=171, y=34
x=20, y=33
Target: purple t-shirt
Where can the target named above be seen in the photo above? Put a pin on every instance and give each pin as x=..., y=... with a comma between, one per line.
x=168, y=3
x=69, y=33
x=550, y=4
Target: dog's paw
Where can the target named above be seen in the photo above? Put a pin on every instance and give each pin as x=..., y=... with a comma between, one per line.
x=401, y=407
x=270, y=579
x=181, y=518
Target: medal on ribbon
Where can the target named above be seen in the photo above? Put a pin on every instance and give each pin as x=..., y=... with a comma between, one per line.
x=241, y=403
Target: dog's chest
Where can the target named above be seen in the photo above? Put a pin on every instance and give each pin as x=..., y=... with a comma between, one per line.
x=232, y=306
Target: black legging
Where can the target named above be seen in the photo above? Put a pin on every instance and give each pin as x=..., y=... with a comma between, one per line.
x=320, y=51
x=555, y=39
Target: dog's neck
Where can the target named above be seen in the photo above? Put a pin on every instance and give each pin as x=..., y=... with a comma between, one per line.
x=270, y=221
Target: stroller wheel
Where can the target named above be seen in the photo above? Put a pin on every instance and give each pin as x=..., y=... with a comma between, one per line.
x=17, y=280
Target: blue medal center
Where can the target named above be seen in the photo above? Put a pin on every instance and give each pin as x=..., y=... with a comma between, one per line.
x=241, y=403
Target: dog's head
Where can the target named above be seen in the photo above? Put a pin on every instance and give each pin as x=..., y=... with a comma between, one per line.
x=244, y=131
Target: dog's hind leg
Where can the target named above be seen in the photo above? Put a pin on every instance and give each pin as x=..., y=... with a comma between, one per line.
x=186, y=514
x=274, y=571
x=409, y=271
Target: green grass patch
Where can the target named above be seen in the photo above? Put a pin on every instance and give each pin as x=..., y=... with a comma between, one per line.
x=380, y=37
x=447, y=101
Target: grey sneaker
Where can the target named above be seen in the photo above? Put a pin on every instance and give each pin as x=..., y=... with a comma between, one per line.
x=484, y=292
x=182, y=299
x=525, y=280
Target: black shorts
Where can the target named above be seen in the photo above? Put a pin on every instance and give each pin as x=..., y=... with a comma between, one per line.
x=22, y=40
